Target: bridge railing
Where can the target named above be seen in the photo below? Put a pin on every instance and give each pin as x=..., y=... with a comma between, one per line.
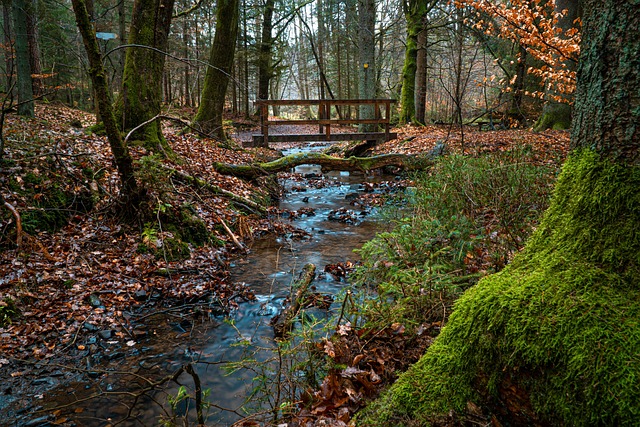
x=382, y=115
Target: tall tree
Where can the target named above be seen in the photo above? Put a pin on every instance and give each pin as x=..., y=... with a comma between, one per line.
x=415, y=12
x=209, y=116
x=421, y=77
x=553, y=338
x=128, y=185
x=35, y=63
x=366, y=51
x=7, y=46
x=141, y=96
x=265, y=70
x=23, y=69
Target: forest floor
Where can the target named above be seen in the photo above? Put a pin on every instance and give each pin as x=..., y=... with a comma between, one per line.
x=80, y=270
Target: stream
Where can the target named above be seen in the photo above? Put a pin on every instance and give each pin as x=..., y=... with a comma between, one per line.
x=269, y=269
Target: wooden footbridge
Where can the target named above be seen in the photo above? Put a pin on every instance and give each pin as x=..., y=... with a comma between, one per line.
x=380, y=120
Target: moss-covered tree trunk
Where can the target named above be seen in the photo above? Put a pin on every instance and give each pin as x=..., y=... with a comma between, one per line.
x=553, y=338
x=123, y=160
x=413, y=78
x=141, y=96
x=209, y=116
x=407, y=96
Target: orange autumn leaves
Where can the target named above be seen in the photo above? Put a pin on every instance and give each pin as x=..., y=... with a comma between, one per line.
x=535, y=26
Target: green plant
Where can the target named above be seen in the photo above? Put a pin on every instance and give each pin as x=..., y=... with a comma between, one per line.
x=8, y=311
x=558, y=327
x=463, y=219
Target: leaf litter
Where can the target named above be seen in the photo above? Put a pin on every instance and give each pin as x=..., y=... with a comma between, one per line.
x=89, y=275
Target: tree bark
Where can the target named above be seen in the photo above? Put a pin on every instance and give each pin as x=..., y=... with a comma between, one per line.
x=209, y=116
x=8, y=50
x=366, y=50
x=35, y=62
x=607, y=113
x=141, y=96
x=124, y=162
x=414, y=11
x=23, y=69
x=421, y=77
x=265, y=71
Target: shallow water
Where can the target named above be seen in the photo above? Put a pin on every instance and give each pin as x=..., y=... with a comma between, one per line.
x=269, y=269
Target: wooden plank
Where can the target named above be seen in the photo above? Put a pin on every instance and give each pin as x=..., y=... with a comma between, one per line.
x=322, y=101
x=324, y=122
x=319, y=137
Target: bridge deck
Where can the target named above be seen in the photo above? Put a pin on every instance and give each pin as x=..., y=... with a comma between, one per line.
x=319, y=137
x=324, y=121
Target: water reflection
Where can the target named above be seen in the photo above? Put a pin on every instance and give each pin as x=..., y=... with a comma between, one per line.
x=269, y=269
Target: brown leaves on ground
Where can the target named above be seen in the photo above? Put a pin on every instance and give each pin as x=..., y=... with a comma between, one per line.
x=53, y=275
x=548, y=147
x=90, y=271
x=369, y=361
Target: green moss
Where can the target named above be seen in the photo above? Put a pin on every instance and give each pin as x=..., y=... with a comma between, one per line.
x=556, y=116
x=186, y=226
x=560, y=324
x=173, y=249
x=97, y=129
x=53, y=206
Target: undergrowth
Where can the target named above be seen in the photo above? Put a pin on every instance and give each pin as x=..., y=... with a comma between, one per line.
x=464, y=219
x=554, y=337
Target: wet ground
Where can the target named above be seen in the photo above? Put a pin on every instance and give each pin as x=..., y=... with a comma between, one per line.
x=134, y=386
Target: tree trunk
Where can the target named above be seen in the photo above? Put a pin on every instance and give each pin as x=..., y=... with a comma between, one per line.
x=265, y=71
x=245, y=62
x=23, y=69
x=265, y=50
x=414, y=11
x=209, y=116
x=607, y=95
x=122, y=39
x=553, y=338
x=186, y=99
x=8, y=51
x=124, y=162
x=141, y=96
x=37, y=83
x=366, y=50
x=515, y=110
x=421, y=77
x=322, y=35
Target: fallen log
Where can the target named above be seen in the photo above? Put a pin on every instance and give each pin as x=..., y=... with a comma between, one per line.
x=283, y=322
x=327, y=162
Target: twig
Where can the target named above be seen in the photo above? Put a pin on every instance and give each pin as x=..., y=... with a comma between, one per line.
x=198, y=390
x=16, y=215
x=236, y=242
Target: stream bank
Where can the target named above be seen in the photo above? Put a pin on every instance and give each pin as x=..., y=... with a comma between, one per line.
x=331, y=222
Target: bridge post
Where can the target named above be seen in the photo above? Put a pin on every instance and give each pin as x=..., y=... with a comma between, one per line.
x=264, y=124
